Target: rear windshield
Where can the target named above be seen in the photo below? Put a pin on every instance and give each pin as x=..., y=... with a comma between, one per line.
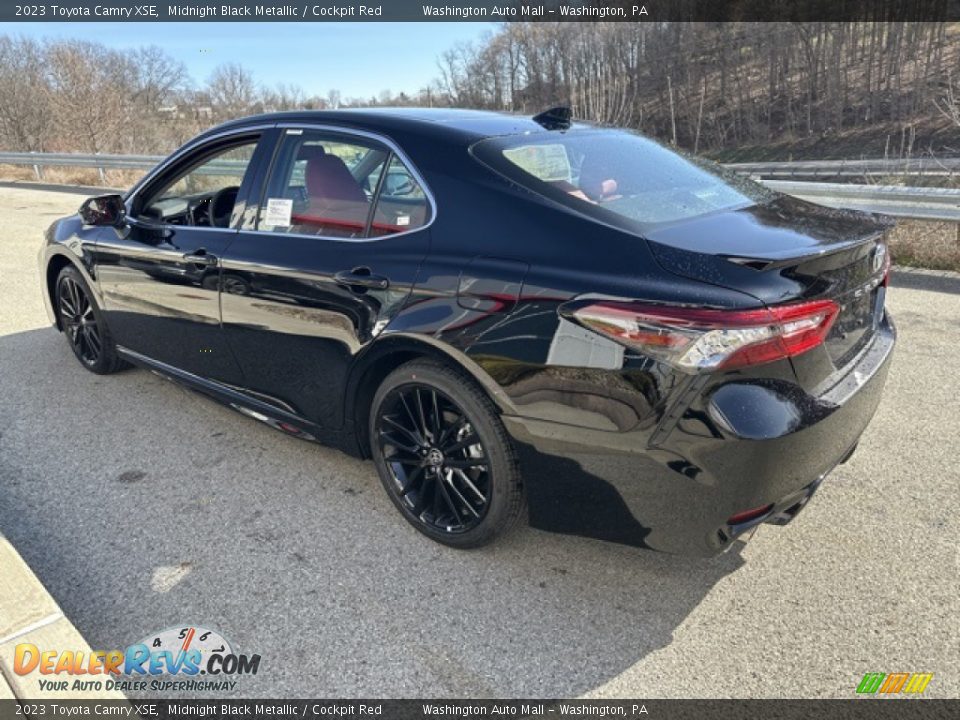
x=619, y=176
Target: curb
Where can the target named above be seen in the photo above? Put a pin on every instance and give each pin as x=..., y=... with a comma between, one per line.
x=28, y=614
x=925, y=272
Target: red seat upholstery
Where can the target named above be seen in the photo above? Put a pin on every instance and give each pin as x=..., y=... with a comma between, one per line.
x=328, y=178
x=336, y=204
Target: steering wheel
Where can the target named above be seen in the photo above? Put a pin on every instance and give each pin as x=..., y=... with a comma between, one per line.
x=221, y=206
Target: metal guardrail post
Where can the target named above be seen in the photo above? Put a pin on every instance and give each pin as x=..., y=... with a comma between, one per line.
x=103, y=175
x=36, y=168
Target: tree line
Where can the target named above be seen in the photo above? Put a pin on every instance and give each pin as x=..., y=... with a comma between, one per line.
x=81, y=96
x=701, y=86
x=708, y=86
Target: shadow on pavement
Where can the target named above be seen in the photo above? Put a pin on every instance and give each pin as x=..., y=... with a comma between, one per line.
x=947, y=283
x=293, y=551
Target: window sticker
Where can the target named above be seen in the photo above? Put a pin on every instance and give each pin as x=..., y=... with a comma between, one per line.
x=278, y=212
x=403, y=219
x=546, y=162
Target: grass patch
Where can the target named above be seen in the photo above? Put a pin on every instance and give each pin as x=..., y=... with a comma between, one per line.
x=926, y=244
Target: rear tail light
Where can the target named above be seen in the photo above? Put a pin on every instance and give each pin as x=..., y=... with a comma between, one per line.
x=696, y=340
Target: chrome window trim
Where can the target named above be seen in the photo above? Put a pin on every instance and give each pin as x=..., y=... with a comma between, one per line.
x=199, y=227
x=383, y=140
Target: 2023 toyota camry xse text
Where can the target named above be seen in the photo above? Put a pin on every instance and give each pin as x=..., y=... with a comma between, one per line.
x=512, y=316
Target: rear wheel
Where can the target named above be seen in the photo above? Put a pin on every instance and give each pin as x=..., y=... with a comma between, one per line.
x=83, y=324
x=443, y=455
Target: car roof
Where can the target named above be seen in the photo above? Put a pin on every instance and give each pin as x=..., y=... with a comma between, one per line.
x=466, y=125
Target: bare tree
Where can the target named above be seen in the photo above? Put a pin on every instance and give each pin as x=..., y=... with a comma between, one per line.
x=232, y=91
x=283, y=97
x=709, y=86
x=948, y=103
x=86, y=90
x=25, y=118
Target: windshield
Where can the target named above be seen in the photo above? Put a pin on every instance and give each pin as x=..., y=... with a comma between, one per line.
x=617, y=175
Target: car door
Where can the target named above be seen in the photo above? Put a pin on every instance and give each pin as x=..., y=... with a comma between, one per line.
x=323, y=266
x=159, y=275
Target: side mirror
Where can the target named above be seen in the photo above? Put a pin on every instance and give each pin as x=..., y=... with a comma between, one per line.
x=107, y=210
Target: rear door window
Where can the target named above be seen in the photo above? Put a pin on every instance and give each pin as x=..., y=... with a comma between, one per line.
x=339, y=186
x=402, y=203
x=319, y=185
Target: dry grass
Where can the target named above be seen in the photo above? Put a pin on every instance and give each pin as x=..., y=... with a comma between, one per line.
x=926, y=244
x=72, y=176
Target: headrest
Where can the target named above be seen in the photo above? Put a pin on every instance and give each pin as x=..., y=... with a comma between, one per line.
x=309, y=152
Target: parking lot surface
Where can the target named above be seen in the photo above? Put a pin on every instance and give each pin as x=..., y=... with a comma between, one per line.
x=143, y=506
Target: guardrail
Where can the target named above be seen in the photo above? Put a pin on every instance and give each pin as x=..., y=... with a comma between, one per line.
x=850, y=168
x=920, y=203
x=108, y=162
x=909, y=202
x=102, y=162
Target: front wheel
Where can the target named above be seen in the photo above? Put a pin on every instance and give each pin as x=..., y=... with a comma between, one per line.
x=443, y=455
x=83, y=324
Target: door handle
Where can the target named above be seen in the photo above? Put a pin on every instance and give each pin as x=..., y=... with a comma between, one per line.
x=200, y=257
x=360, y=279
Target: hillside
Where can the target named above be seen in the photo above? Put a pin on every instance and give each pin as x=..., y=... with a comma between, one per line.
x=732, y=90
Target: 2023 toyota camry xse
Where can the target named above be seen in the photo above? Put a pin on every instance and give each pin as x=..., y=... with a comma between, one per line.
x=512, y=316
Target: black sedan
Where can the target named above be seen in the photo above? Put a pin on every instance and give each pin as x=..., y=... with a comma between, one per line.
x=514, y=317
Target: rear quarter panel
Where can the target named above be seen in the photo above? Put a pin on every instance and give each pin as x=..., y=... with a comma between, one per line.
x=502, y=261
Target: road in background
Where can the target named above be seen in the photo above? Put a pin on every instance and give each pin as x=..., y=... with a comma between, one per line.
x=142, y=506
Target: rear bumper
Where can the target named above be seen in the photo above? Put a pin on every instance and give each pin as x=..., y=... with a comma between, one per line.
x=747, y=443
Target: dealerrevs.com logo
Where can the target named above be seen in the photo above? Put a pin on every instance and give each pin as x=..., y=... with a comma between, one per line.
x=154, y=663
x=894, y=683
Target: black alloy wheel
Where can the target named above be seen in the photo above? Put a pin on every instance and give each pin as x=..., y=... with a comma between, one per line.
x=79, y=324
x=436, y=459
x=443, y=455
x=83, y=325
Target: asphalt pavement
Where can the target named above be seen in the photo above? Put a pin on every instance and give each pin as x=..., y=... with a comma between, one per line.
x=143, y=506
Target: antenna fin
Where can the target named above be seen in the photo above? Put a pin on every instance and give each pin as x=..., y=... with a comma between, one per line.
x=556, y=118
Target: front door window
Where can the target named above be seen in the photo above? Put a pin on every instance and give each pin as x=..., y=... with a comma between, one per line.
x=204, y=193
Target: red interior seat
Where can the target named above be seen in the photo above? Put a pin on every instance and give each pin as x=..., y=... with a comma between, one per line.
x=328, y=178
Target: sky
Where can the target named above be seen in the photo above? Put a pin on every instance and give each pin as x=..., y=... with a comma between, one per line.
x=358, y=59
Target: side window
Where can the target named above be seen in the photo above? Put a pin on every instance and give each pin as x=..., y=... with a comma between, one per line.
x=402, y=204
x=337, y=186
x=321, y=184
x=204, y=192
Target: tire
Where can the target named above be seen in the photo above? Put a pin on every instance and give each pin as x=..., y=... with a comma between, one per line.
x=437, y=484
x=83, y=324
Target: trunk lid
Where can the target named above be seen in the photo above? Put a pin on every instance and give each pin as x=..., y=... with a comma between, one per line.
x=787, y=251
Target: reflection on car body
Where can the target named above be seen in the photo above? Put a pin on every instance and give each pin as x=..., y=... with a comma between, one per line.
x=503, y=312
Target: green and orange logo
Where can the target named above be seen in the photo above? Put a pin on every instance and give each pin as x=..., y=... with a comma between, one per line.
x=894, y=683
